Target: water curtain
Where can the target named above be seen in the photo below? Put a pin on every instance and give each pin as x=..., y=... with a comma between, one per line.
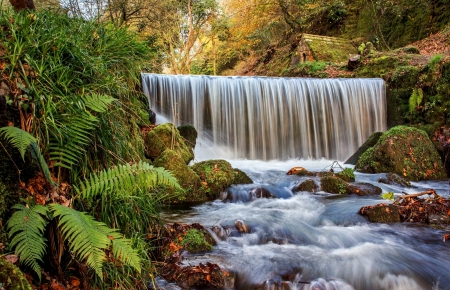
x=273, y=118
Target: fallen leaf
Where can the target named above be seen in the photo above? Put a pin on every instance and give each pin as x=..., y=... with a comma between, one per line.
x=74, y=281
x=446, y=237
x=12, y=258
x=208, y=278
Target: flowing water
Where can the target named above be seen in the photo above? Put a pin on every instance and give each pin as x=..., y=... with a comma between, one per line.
x=316, y=241
x=273, y=118
x=301, y=240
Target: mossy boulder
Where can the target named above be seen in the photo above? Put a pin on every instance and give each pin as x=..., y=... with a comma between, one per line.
x=11, y=277
x=240, y=177
x=405, y=151
x=307, y=185
x=166, y=136
x=216, y=175
x=186, y=177
x=373, y=139
x=189, y=134
x=333, y=184
x=347, y=174
x=194, y=241
x=381, y=213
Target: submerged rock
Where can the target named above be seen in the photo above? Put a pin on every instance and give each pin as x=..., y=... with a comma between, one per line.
x=300, y=171
x=216, y=175
x=373, y=139
x=394, y=179
x=381, y=213
x=307, y=185
x=405, y=151
x=362, y=189
x=166, y=136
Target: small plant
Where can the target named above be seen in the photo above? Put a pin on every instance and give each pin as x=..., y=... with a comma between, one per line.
x=388, y=195
x=194, y=241
x=348, y=174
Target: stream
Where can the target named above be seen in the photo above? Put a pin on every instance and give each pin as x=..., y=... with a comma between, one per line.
x=315, y=241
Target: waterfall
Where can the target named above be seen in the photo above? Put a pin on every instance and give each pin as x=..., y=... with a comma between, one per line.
x=273, y=118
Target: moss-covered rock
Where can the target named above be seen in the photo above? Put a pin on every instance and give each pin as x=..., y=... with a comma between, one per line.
x=405, y=151
x=186, y=177
x=11, y=277
x=189, y=134
x=216, y=175
x=333, y=184
x=307, y=185
x=347, y=175
x=363, y=189
x=166, y=136
x=373, y=139
x=194, y=241
x=381, y=213
x=240, y=177
x=395, y=179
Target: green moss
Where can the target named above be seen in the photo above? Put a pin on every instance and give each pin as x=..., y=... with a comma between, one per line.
x=218, y=175
x=189, y=134
x=307, y=185
x=240, y=177
x=333, y=184
x=166, y=136
x=194, y=242
x=186, y=177
x=406, y=151
x=11, y=277
x=371, y=141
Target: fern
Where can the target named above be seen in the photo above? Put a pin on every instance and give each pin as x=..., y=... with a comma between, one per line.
x=89, y=239
x=125, y=178
x=23, y=140
x=415, y=99
x=19, y=138
x=97, y=103
x=27, y=226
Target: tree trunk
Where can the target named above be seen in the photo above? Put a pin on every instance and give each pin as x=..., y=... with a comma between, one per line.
x=22, y=4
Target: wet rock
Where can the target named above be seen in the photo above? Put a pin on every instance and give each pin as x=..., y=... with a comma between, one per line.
x=353, y=62
x=185, y=176
x=333, y=184
x=259, y=192
x=221, y=232
x=11, y=277
x=362, y=189
x=373, y=139
x=241, y=227
x=216, y=175
x=347, y=175
x=300, y=171
x=152, y=117
x=189, y=134
x=439, y=221
x=307, y=185
x=394, y=179
x=163, y=137
x=381, y=213
x=203, y=276
x=240, y=177
x=405, y=151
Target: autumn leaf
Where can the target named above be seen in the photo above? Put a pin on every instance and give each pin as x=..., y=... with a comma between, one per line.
x=12, y=258
x=208, y=278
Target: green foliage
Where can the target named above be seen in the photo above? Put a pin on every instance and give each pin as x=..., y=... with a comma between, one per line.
x=347, y=174
x=19, y=138
x=26, y=227
x=434, y=62
x=388, y=195
x=416, y=99
x=194, y=242
x=89, y=239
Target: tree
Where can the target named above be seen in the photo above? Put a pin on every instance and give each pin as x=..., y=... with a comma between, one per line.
x=22, y=4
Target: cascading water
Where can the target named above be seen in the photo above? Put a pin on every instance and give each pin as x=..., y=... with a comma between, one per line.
x=273, y=118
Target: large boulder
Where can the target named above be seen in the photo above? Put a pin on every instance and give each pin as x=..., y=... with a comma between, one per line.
x=166, y=136
x=334, y=184
x=240, y=177
x=187, y=178
x=381, y=213
x=216, y=175
x=189, y=134
x=373, y=139
x=405, y=151
x=363, y=188
x=306, y=185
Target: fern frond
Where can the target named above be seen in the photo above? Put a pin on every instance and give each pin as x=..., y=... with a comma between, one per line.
x=97, y=103
x=413, y=100
x=126, y=178
x=89, y=238
x=26, y=227
x=19, y=138
x=37, y=155
x=419, y=96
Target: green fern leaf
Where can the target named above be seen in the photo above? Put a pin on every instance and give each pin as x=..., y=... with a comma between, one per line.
x=413, y=100
x=97, y=103
x=88, y=239
x=26, y=227
x=19, y=138
x=125, y=179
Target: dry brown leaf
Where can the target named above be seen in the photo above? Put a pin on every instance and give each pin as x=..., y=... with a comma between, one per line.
x=74, y=281
x=12, y=258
